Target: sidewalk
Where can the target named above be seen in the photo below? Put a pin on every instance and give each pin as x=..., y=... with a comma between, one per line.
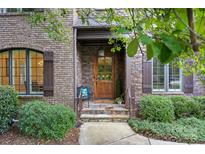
x=108, y=133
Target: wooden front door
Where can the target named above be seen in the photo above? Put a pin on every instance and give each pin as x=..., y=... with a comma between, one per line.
x=104, y=75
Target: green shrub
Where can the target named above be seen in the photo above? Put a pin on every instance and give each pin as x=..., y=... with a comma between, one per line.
x=45, y=121
x=197, y=110
x=186, y=107
x=156, y=108
x=190, y=130
x=199, y=99
x=8, y=107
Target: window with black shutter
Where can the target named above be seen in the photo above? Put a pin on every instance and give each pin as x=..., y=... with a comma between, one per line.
x=165, y=78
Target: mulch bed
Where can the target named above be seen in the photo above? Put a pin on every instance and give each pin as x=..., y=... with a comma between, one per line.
x=13, y=137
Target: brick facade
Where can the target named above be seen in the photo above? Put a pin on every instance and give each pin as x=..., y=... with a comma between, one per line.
x=15, y=32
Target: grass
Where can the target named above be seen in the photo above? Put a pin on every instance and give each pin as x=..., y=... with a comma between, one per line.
x=190, y=130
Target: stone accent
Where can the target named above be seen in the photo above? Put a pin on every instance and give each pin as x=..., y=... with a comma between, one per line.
x=199, y=87
x=79, y=81
x=136, y=82
x=15, y=32
x=86, y=61
x=136, y=75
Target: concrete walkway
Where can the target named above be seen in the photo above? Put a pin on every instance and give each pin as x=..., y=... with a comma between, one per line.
x=108, y=133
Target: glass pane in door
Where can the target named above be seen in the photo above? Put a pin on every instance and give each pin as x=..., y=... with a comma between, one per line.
x=101, y=68
x=108, y=68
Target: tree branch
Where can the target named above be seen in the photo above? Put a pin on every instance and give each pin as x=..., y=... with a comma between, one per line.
x=187, y=26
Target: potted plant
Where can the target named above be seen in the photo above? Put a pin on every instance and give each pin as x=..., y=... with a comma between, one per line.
x=119, y=100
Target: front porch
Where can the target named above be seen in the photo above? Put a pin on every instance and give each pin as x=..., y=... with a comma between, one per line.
x=105, y=76
x=104, y=72
x=98, y=68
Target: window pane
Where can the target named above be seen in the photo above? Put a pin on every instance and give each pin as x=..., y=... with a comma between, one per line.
x=158, y=75
x=36, y=72
x=4, y=68
x=19, y=70
x=174, y=77
x=13, y=9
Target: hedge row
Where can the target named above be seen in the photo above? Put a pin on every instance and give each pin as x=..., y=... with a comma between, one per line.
x=166, y=109
x=191, y=130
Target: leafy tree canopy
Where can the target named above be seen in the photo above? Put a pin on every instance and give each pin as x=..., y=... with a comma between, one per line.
x=169, y=34
x=52, y=21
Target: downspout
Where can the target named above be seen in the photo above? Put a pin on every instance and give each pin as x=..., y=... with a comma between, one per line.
x=74, y=62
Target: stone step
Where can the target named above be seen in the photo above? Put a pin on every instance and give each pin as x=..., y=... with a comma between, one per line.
x=103, y=105
x=121, y=111
x=104, y=118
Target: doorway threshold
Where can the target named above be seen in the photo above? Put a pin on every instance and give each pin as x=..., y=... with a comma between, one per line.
x=106, y=101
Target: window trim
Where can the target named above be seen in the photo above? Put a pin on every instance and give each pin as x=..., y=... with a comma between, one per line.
x=158, y=90
x=11, y=82
x=2, y=10
x=180, y=80
x=5, y=10
x=166, y=81
x=19, y=10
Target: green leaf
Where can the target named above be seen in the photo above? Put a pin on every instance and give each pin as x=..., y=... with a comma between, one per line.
x=183, y=15
x=145, y=39
x=149, y=52
x=123, y=30
x=172, y=43
x=156, y=47
x=166, y=55
x=153, y=50
x=177, y=31
x=133, y=47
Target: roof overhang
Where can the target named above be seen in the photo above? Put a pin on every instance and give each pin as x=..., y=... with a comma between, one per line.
x=96, y=33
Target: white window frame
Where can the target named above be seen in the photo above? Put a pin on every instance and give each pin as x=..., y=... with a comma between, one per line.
x=30, y=77
x=158, y=90
x=166, y=80
x=180, y=80
x=4, y=10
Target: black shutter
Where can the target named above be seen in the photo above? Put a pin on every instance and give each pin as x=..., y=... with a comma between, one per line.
x=188, y=83
x=147, y=77
x=48, y=74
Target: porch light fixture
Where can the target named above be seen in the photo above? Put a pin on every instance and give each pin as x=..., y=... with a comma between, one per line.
x=101, y=52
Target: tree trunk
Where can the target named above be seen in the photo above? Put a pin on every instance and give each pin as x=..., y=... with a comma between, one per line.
x=191, y=22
